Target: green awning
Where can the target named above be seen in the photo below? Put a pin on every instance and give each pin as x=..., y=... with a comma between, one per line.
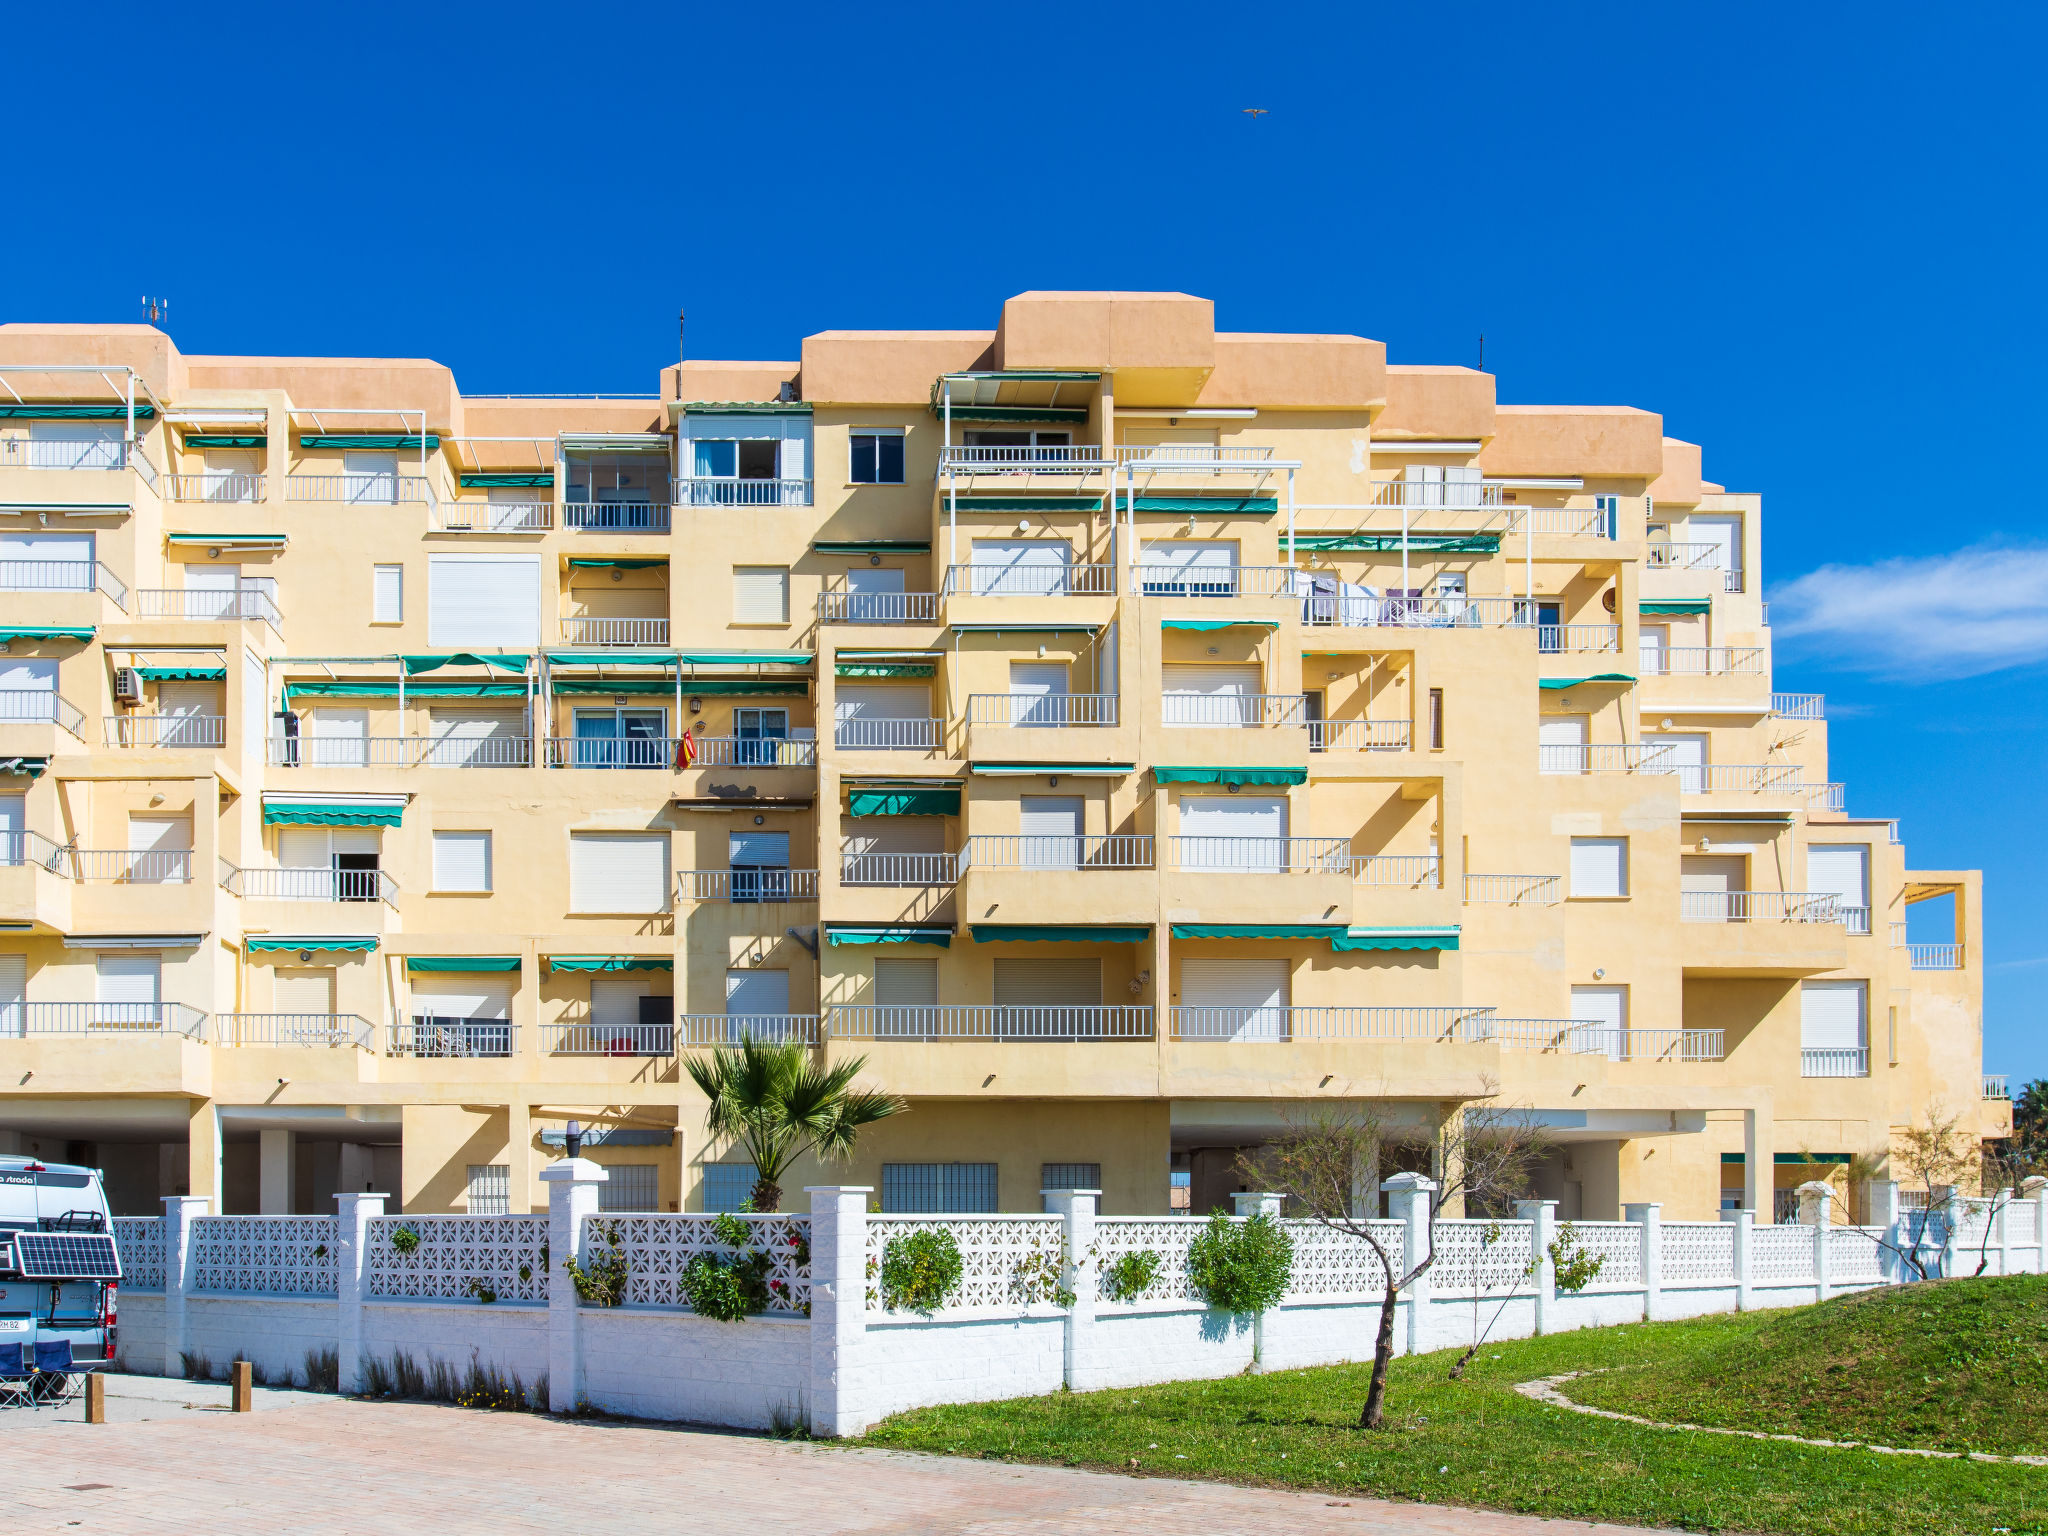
x=415, y=964
x=338, y=943
x=1033, y=770
x=1196, y=775
x=497, y=663
x=747, y=658
x=748, y=408
x=183, y=674
x=1791, y=1159
x=1025, y=629
x=1390, y=543
x=1216, y=506
x=903, y=802
x=399, y=440
x=1675, y=606
x=229, y=540
x=226, y=440
x=333, y=813
x=1205, y=625
x=613, y=658
x=1077, y=415
x=1573, y=682
x=645, y=687
x=1048, y=503
x=885, y=669
x=32, y=766
x=14, y=411
x=45, y=632
x=532, y=480
x=872, y=546
x=885, y=933
x=380, y=688
x=610, y=963
x=616, y=563
x=1061, y=933
x=1397, y=938
x=1258, y=930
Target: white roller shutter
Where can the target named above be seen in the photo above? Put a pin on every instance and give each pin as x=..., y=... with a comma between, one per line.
x=462, y=861
x=1180, y=569
x=1239, y=998
x=618, y=872
x=482, y=601
x=1244, y=833
x=1209, y=695
x=883, y=718
x=1685, y=756
x=1602, y=1016
x=387, y=594
x=464, y=738
x=1723, y=535
x=46, y=562
x=1653, y=642
x=1832, y=1015
x=757, y=992
x=459, y=996
x=906, y=983
x=1842, y=870
x=27, y=674
x=1060, y=983
x=127, y=986
x=13, y=995
x=13, y=811
x=1031, y=566
x=1035, y=690
x=336, y=738
x=1561, y=743
x=761, y=850
x=1599, y=866
x=760, y=594
x=73, y=445
x=160, y=849
x=303, y=990
x=615, y=1002
x=1051, y=829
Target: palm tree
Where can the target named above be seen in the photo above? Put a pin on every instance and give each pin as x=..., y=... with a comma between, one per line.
x=779, y=1103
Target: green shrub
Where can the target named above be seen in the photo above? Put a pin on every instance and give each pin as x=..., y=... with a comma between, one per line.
x=1131, y=1276
x=920, y=1271
x=1241, y=1266
x=481, y=1290
x=1042, y=1277
x=602, y=1282
x=404, y=1240
x=1572, y=1267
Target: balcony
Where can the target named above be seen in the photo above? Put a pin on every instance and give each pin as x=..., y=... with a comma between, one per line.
x=63, y=576
x=491, y=517
x=1233, y=711
x=1358, y=736
x=413, y=752
x=361, y=490
x=1758, y=907
x=1262, y=855
x=657, y=753
x=1761, y=933
x=1280, y=1024
x=1062, y=580
x=879, y=607
x=1578, y=639
x=199, y=604
x=1196, y=459
x=904, y=871
x=1703, y=661
x=604, y=632
x=657, y=1040
x=888, y=735
x=1799, y=706
x=978, y=1021
x=1019, y=851
x=1514, y=890
x=747, y=885
x=617, y=516
x=126, y=866
x=1995, y=1090
x=1708, y=560
x=118, y=1020
x=1605, y=757
x=1155, y=579
x=756, y=752
x=175, y=732
x=1364, y=609
x=296, y=1031
x=1570, y=1037
x=719, y=491
x=1034, y=711
x=1443, y=493
x=239, y=488
x=1398, y=871
x=40, y=706
x=1933, y=957
x=1023, y=459
x=1566, y=522
x=319, y=883
x=99, y=454
x=426, y=1036
x=1834, y=1061
x=1776, y=780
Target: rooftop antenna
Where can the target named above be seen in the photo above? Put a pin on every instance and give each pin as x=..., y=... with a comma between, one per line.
x=155, y=310
x=680, y=353
x=1482, y=351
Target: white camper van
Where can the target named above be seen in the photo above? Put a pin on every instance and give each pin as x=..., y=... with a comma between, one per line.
x=59, y=1269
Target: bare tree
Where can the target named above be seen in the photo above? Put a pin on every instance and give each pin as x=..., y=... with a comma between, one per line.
x=1480, y=1154
x=2001, y=1171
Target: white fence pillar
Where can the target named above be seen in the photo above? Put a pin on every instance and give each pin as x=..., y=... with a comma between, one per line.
x=1408, y=1201
x=1745, y=1224
x=180, y=1211
x=839, y=1300
x=2035, y=1189
x=1881, y=1210
x=1815, y=1200
x=352, y=1281
x=1078, y=1266
x=572, y=1195
x=1542, y=1218
x=1256, y=1203
x=1649, y=1215
x=1955, y=1210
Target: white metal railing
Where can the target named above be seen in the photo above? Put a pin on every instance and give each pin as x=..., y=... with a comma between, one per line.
x=40, y=706
x=1605, y=757
x=492, y=517
x=425, y=1035
x=1670, y=555
x=62, y=576
x=982, y=1021
x=992, y=580
x=1994, y=1086
x=371, y=490
x=878, y=607
x=1233, y=711
x=645, y=752
x=1263, y=855
x=608, y=1039
x=1577, y=639
x=1798, y=706
x=586, y=631
x=887, y=735
x=1281, y=1023
x=1934, y=957
x=1514, y=890
x=201, y=603
x=333, y=1031
x=1785, y=779
x=917, y=870
x=1834, y=1061
x=1452, y=495
x=1412, y=870
x=21, y=847
x=127, y=866
x=1047, y=458
x=400, y=752
x=1855, y=919
x=1758, y=907
x=319, y=883
x=1367, y=609
x=1573, y=1037
x=19, y=1019
x=732, y=1028
x=617, y=516
x=165, y=730
x=756, y=752
x=1031, y=710
x=1155, y=579
x=1358, y=735
x=240, y=487
x=748, y=885
x=1191, y=456
x=721, y=491
x=1701, y=660
x=1015, y=850
x=31, y=453
x=1566, y=522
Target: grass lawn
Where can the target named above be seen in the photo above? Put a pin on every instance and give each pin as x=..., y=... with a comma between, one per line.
x=1478, y=1442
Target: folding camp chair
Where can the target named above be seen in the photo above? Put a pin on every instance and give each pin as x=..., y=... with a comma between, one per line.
x=54, y=1380
x=17, y=1378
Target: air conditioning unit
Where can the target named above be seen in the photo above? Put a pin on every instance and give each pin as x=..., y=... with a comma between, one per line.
x=127, y=685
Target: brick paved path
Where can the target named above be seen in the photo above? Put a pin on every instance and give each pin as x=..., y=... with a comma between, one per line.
x=420, y=1470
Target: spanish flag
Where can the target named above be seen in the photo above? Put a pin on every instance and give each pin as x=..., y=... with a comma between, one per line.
x=686, y=751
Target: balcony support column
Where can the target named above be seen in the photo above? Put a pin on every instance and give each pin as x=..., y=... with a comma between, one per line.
x=277, y=1165
x=202, y=1138
x=1758, y=1166
x=519, y=1155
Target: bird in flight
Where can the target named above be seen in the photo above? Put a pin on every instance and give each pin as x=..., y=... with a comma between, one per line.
x=1255, y=112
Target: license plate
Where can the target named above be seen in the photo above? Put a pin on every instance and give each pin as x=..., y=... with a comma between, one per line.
x=16, y=1325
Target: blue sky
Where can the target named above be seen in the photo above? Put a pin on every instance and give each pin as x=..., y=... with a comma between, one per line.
x=1810, y=237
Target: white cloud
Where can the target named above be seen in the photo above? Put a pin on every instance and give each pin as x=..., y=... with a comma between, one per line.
x=1943, y=616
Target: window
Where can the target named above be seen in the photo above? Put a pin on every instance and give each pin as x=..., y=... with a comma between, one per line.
x=46, y=562
x=1561, y=744
x=1234, y=999
x=1602, y=1027
x=387, y=602
x=1070, y=1176
x=1609, y=512
x=622, y=738
x=329, y=863
x=159, y=850
x=1599, y=866
x=1436, y=719
x=728, y=1186
x=127, y=987
x=304, y=990
x=760, y=594
x=1833, y=1025
x=878, y=456
x=931, y=1188
x=618, y=872
x=631, y=1187
x=1239, y=833
x=1842, y=870
x=490, y=1189
x=905, y=984
x=483, y=601
x=462, y=861
x=760, y=866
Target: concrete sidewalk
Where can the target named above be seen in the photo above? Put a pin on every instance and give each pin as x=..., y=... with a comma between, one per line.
x=132, y=1399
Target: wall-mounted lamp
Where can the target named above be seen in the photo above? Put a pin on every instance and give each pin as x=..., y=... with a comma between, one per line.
x=696, y=705
x=874, y=559
x=760, y=821
x=1706, y=843
x=1023, y=525
x=1233, y=788
x=618, y=575
x=305, y=956
x=1599, y=975
x=1053, y=782
x=572, y=1138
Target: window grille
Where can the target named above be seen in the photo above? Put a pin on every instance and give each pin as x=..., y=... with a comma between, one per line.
x=920, y=1189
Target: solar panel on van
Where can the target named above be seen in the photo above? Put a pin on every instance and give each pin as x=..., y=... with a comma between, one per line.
x=66, y=1256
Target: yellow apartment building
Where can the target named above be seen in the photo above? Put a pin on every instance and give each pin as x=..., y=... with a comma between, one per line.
x=1123, y=734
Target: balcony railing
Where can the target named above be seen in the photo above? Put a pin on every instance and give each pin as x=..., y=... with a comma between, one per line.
x=1571, y=1037
x=614, y=631
x=1233, y=711
x=199, y=603
x=24, y=1019
x=1358, y=735
x=1412, y=871
x=979, y=1021
x=240, y=488
x=1157, y=580
x=645, y=752
x=1566, y=522
x=62, y=576
x=1701, y=661
x=617, y=516
x=1199, y=458
x=1047, y=459
x=1262, y=855
x=1934, y=957
x=715, y=491
x=1011, y=850
x=878, y=607
x=1456, y=495
x=492, y=517
x=165, y=730
x=1514, y=890
x=747, y=885
x=328, y=1031
x=39, y=706
x=1665, y=556
x=732, y=1028
x=1283, y=1024
x=1994, y=1087
x=1605, y=757
x=18, y=848
x=426, y=1035
x=312, y=884
x=1036, y=710
x=1361, y=609
x=372, y=490
x=403, y=752
x=1855, y=919
x=1758, y=907
x=1031, y=580
x=608, y=1039
x=756, y=752
x=28, y=453
x=1577, y=639
x=127, y=866
x=887, y=735
x=1834, y=1061
x=1782, y=779
x=1799, y=706
x=920, y=871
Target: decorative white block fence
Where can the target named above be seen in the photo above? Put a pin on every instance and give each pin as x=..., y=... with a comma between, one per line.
x=493, y=1291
